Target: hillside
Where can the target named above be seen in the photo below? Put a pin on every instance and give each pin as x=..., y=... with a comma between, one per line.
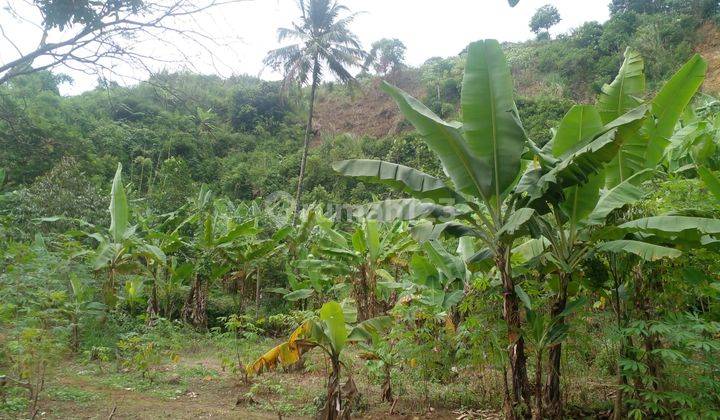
x=366, y=110
x=570, y=67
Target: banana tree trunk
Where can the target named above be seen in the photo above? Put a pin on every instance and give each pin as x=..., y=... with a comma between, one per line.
x=519, y=405
x=333, y=405
x=538, y=414
x=308, y=133
x=387, y=394
x=364, y=286
x=153, y=308
x=553, y=400
x=621, y=323
x=195, y=308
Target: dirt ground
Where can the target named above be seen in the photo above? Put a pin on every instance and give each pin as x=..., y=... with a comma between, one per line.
x=77, y=391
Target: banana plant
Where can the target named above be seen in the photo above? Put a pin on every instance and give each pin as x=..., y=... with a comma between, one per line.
x=574, y=222
x=215, y=249
x=543, y=332
x=495, y=190
x=116, y=253
x=369, y=257
x=81, y=304
x=330, y=333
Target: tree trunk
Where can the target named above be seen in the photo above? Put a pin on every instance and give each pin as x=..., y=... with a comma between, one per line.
x=257, y=294
x=153, y=308
x=520, y=386
x=553, y=399
x=387, y=394
x=195, y=308
x=538, y=415
x=364, y=292
x=333, y=405
x=75, y=337
x=308, y=133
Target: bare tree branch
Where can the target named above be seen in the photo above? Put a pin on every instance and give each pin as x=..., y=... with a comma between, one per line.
x=111, y=38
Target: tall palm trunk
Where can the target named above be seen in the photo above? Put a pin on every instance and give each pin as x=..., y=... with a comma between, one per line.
x=308, y=133
x=519, y=406
x=552, y=386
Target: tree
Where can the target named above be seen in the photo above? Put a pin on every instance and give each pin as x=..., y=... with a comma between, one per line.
x=325, y=43
x=386, y=56
x=96, y=35
x=544, y=18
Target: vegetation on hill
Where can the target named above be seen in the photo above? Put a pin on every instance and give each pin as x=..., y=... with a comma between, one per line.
x=525, y=230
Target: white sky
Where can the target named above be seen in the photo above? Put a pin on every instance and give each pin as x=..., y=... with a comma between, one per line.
x=427, y=27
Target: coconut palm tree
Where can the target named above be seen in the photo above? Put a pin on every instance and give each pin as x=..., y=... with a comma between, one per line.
x=324, y=44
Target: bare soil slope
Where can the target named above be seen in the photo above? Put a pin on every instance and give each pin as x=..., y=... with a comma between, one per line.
x=368, y=112
x=709, y=47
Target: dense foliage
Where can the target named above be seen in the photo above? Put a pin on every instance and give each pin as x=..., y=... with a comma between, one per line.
x=532, y=256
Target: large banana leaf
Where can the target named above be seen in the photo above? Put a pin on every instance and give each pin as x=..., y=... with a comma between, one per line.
x=491, y=124
x=516, y=223
x=577, y=168
x=625, y=193
x=405, y=209
x=646, y=251
x=622, y=94
x=468, y=173
x=668, y=105
x=427, y=230
x=416, y=183
x=119, y=212
x=581, y=124
x=334, y=327
x=686, y=229
x=631, y=157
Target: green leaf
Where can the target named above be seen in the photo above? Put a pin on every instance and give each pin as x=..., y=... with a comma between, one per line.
x=580, y=200
x=369, y=330
x=680, y=228
x=524, y=298
x=646, y=251
x=711, y=181
x=580, y=125
x=491, y=124
x=427, y=231
x=119, y=212
x=296, y=295
x=403, y=178
x=625, y=193
x=449, y=265
x=468, y=173
x=622, y=94
x=333, y=318
x=247, y=228
x=452, y=299
x=577, y=168
x=372, y=238
x=405, y=209
x=669, y=103
x=154, y=252
x=516, y=223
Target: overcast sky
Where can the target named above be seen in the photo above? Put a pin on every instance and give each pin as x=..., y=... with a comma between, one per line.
x=427, y=27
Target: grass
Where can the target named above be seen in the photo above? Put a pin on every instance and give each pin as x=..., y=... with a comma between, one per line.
x=201, y=379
